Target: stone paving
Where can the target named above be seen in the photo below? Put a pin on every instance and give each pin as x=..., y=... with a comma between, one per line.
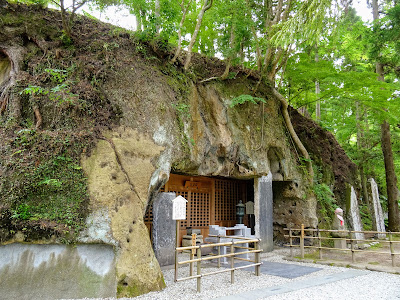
x=294, y=286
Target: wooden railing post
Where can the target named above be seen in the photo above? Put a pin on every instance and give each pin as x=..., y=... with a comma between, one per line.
x=199, y=269
x=219, y=253
x=232, y=263
x=291, y=242
x=352, y=246
x=391, y=248
x=176, y=251
x=302, y=241
x=319, y=244
x=257, y=256
x=192, y=252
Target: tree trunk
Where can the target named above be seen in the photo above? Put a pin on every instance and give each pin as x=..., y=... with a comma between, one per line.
x=157, y=15
x=391, y=179
x=206, y=6
x=138, y=22
x=229, y=60
x=317, y=92
x=361, y=155
x=184, y=12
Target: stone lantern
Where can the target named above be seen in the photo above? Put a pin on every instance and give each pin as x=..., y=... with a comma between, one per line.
x=240, y=212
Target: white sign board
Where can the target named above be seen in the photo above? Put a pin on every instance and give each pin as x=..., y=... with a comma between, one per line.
x=179, y=208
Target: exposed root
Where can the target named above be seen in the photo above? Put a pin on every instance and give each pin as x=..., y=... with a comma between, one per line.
x=42, y=45
x=293, y=133
x=209, y=79
x=14, y=54
x=38, y=117
x=4, y=102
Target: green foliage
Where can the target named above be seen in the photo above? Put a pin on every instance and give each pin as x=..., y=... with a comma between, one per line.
x=246, y=98
x=366, y=217
x=376, y=246
x=325, y=197
x=22, y=212
x=60, y=92
x=182, y=108
x=353, y=102
x=44, y=181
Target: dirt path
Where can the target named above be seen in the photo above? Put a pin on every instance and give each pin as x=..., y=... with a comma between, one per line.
x=372, y=256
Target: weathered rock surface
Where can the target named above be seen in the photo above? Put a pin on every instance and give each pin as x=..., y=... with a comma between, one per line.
x=119, y=172
x=148, y=118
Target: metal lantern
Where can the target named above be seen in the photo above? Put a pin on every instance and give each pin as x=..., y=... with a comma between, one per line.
x=240, y=212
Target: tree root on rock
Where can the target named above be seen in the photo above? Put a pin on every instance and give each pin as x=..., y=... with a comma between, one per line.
x=293, y=133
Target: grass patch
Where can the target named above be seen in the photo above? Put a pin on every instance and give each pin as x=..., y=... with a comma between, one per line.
x=312, y=256
x=376, y=246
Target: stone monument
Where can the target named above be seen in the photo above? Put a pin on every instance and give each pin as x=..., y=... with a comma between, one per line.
x=164, y=228
x=338, y=224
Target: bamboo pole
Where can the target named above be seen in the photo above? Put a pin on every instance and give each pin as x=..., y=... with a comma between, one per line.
x=319, y=244
x=191, y=264
x=257, y=259
x=291, y=242
x=232, y=264
x=233, y=237
x=302, y=241
x=199, y=270
x=242, y=267
x=244, y=259
x=216, y=272
x=391, y=249
x=192, y=252
x=333, y=230
x=176, y=251
x=352, y=246
x=187, y=278
x=245, y=241
x=214, y=257
x=219, y=253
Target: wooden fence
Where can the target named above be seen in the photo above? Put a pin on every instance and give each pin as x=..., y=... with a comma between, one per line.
x=236, y=243
x=349, y=238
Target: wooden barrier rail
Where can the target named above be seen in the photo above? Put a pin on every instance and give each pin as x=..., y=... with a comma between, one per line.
x=350, y=238
x=234, y=244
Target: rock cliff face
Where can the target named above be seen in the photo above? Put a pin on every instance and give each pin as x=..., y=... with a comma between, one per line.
x=134, y=118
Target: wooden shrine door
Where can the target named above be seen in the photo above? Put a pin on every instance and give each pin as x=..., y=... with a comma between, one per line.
x=211, y=201
x=198, y=191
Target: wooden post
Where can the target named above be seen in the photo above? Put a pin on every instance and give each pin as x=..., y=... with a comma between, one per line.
x=199, y=269
x=352, y=246
x=291, y=242
x=176, y=251
x=192, y=252
x=319, y=244
x=257, y=256
x=232, y=263
x=391, y=248
x=219, y=252
x=302, y=241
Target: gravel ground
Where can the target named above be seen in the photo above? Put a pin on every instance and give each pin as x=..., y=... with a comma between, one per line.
x=373, y=285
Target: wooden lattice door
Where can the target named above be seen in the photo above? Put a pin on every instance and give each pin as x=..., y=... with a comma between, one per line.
x=210, y=201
